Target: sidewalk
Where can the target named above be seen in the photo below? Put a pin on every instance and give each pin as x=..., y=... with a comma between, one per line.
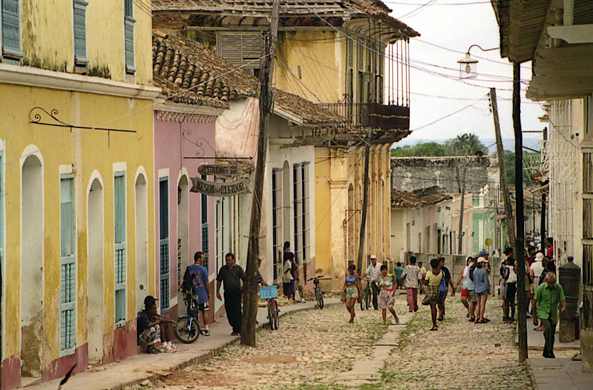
x=554, y=374
x=138, y=368
x=535, y=340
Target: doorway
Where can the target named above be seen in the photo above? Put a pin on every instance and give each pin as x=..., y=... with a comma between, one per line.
x=32, y=261
x=96, y=240
x=141, y=241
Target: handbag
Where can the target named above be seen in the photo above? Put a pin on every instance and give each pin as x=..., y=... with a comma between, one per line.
x=443, y=285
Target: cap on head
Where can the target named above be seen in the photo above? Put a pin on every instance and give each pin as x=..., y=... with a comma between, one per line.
x=482, y=254
x=149, y=301
x=482, y=260
x=539, y=256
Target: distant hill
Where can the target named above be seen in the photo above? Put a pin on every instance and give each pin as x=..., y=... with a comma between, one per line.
x=532, y=142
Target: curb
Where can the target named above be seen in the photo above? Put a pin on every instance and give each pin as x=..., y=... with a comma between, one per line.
x=530, y=374
x=206, y=356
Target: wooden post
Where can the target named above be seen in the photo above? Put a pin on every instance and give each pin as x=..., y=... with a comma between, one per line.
x=461, y=182
x=266, y=101
x=365, y=202
x=508, y=207
x=519, y=239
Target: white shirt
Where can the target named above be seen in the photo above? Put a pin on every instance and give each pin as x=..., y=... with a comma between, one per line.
x=537, y=267
x=374, y=272
x=512, y=275
x=287, y=276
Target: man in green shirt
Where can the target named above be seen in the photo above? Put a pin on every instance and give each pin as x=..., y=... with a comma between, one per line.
x=547, y=297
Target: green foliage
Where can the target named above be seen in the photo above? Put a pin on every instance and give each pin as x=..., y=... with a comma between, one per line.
x=509, y=166
x=464, y=144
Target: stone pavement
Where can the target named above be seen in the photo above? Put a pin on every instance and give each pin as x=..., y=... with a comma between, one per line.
x=535, y=340
x=554, y=374
x=138, y=368
x=369, y=370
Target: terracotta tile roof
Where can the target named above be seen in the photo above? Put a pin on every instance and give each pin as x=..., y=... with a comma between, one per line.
x=408, y=200
x=190, y=74
x=346, y=9
x=179, y=64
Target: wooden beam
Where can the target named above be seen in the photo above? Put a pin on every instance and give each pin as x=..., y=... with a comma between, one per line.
x=572, y=34
x=559, y=87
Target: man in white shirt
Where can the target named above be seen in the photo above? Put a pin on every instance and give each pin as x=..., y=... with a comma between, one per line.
x=373, y=271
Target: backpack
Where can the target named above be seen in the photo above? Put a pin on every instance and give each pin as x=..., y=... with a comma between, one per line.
x=443, y=285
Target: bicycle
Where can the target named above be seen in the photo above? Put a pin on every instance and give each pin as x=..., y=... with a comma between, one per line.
x=271, y=293
x=318, y=292
x=188, y=328
x=367, y=294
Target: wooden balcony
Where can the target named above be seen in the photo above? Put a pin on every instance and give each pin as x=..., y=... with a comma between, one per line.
x=374, y=115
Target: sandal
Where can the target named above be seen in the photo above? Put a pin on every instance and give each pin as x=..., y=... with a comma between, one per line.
x=440, y=318
x=433, y=328
x=472, y=319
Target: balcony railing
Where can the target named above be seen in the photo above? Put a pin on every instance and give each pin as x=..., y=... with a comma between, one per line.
x=374, y=115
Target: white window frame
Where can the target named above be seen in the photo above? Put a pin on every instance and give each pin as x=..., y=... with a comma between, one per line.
x=118, y=246
x=69, y=349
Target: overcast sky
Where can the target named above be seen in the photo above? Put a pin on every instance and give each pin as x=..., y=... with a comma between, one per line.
x=457, y=27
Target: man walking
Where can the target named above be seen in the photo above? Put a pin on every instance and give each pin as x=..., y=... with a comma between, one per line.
x=231, y=276
x=413, y=278
x=444, y=288
x=547, y=298
x=196, y=276
x=372, y=272
x=399, y=274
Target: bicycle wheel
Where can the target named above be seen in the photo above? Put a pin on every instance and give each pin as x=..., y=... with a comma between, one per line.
x=271, y=313
x=276, y=315
x=320, y=302
x=187, y=330
x=367, y=299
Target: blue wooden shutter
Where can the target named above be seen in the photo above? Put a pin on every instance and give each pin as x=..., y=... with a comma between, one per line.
x=11, y=29
x=129, y=22
x=68, y=266
x=80, y=31
x=164, y=241
x=120, y=248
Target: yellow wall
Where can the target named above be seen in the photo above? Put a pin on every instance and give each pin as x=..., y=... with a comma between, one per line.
x=48, y=42
x=86, y=151
x=319, y=54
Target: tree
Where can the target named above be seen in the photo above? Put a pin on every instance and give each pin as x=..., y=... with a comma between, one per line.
x=466, y=144
x=421, y=149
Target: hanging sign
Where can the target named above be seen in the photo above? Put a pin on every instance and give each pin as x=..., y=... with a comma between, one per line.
x=220, y=170
x=230, y=188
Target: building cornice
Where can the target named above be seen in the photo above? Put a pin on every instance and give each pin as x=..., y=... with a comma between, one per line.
x=41, y=78
x=169, y=111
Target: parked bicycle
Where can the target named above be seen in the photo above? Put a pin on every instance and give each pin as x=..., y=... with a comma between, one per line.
x=367, y=295
x=271, y=293
x=318, y=292
x=188, y=329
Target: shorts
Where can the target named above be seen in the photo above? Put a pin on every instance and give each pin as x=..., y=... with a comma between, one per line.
x=201, y=306
x=432, y=297
x=386, y=299
x=482, y=293
x=351, y=293
x=465, y=292
x=511, y=290
x=150, y=336
x=472, y=296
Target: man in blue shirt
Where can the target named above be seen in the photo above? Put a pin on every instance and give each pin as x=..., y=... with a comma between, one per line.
x=198, y=275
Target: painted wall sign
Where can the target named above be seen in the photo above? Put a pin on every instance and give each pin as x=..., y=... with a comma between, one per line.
x=209, y=188
x=220, y=170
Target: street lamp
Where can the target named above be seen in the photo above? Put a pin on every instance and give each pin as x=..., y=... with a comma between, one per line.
x=468, y=66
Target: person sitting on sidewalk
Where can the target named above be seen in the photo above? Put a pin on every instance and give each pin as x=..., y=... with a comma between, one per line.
x=546, y=300
x=150, y=328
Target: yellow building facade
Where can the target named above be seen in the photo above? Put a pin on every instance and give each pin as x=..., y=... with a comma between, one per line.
x=76, y=162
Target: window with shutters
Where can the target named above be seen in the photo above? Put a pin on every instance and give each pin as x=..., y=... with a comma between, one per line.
x=68, y=266
x=305, y=210
x=242, y=50
x=119, y=194
x=11, y=29
x=129, y=22
x=297, y=203
x=80, y=57
x=205, y=232
x=276, y=220
x=360, y=55
x=164, y=241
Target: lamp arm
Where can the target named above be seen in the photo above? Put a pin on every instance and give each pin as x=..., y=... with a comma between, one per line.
x=481, y=48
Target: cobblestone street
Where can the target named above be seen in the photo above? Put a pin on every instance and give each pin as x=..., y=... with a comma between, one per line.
x=313, y=347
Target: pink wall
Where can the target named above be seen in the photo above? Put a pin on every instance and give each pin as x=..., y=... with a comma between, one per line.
x=173, y=141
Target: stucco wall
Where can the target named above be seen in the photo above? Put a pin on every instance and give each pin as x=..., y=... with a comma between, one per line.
x=173, y=142
x=86, y=152
x=48, y=40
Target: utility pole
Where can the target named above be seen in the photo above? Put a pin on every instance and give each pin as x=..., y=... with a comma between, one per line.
x=266, y=101
x=508, y=207
x=519, y=239
x=543, y=224
x=365, y=201
x=461, y=184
